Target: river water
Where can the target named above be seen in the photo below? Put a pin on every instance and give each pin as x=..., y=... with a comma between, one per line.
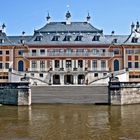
x=70, y=122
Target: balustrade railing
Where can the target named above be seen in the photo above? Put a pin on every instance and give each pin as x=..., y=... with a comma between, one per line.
x=72, y=54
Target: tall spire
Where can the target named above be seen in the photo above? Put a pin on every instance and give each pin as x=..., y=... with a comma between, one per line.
x=48, y=18
x=88, y=18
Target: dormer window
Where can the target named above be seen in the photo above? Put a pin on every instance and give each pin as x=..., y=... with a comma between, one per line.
x=20, y=52
x=55, y=38
x=134, y=40
x=38, y=38
x=114, y=40
x=78, y=38
x=67, y=38
x=22, y=41
x=96, y=38
x=1, y=41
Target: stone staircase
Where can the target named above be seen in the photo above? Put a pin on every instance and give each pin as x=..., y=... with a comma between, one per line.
x=70, y=94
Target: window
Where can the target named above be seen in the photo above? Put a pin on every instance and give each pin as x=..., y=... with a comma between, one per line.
x=136, y=57
x=130, y=51
x=61, y=51
x=7, y=65
x=42, y=52
x=1, y=41
x=129, y=64
x=136, y=65
x=134, y=40
x=1, y=66
x=34, y=64
x=95, y=51
x=55, y=38
x=103, y=51
x=103, y=64
x=42, y=64
x=32, y=74
x=136, y=51
x=7, y=52
x=57, y=63
x=22, y=41
x=33, y=52
x=129, y=57
x=38, y=38
x=96, y=38
x=78, y=38
x=0, y=52
x=20, y=52
x=80, y=51
x=134, y=76
x=4, y=77
x=67, y=38
x=114, y=40
x=69, y=51
x=80, y=63
x=41, y=75
x=94, y=64
x=95, y=74
x=68, y=63
x=104, y=74
x=116, y=51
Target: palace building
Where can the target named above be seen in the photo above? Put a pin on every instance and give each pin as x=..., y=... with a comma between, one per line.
x=67, y=52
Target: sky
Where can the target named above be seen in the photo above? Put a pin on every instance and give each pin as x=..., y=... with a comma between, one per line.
x=109, y=15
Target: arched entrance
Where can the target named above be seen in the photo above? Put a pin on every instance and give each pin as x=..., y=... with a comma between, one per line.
x=56, y=79
x=68, y=79
x=116, y=65
x=81, y=79
x=20, y=65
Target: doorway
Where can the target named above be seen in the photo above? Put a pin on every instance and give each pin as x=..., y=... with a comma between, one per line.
x=68, y=79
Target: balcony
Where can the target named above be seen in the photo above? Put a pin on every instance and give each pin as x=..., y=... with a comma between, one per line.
x=72, y=54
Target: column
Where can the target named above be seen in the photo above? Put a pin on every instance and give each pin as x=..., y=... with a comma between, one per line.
x=107, y=68
x=72, y=64
x=83, y=65
x=75, y=78
x=76, y=63
x=98, y=65
x=60, y=63
x=53, y=65
x=64, y=64
x=124, y=58
x=90, y=65
x=61, y=79
x=46, y=65
x=30, y=68
x=38, y=66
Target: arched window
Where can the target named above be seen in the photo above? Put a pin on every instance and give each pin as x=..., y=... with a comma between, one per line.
x=116, y=65
x=20, y=65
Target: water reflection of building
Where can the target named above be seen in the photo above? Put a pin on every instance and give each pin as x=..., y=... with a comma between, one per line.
x=70, y=53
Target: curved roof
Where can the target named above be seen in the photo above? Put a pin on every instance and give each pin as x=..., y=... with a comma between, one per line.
x=73, y=27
